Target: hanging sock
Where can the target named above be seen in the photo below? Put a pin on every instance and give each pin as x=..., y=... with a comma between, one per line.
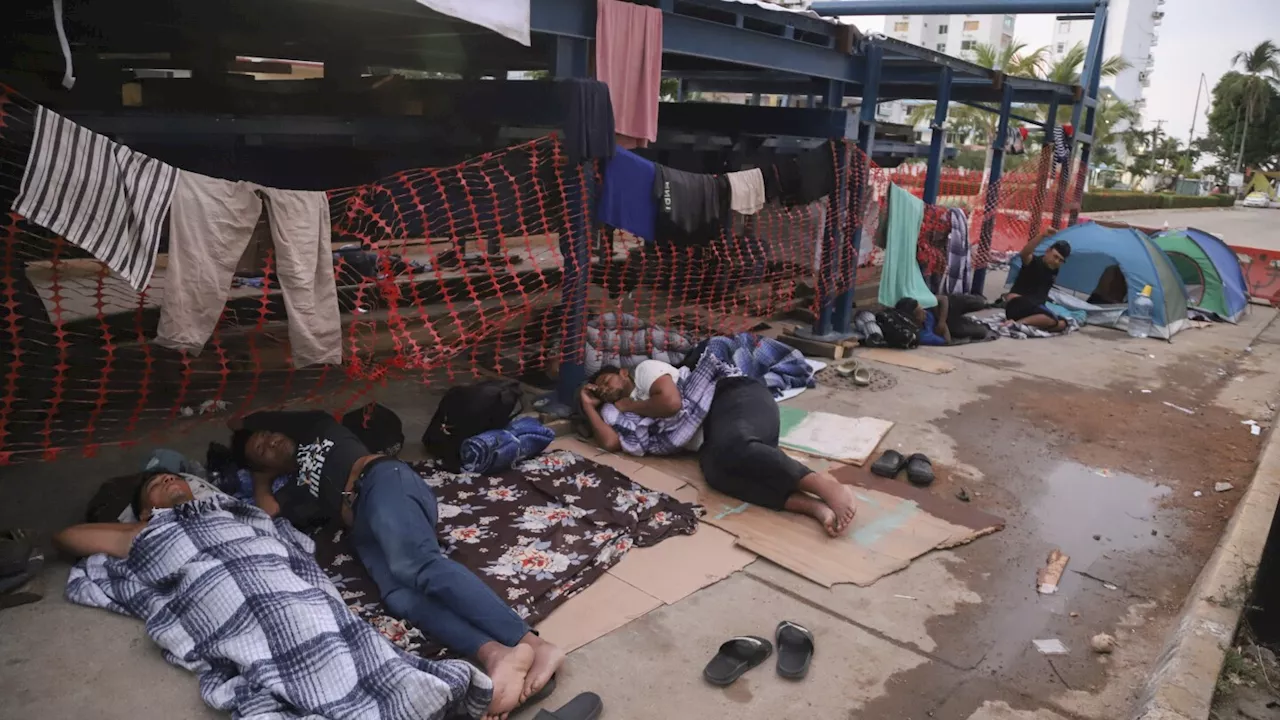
x=68, y=75
x=99, y=195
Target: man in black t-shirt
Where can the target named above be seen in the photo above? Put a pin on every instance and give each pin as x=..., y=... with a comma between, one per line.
x=1025, y=301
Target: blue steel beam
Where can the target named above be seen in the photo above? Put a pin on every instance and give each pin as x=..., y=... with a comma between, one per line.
x=1092, y=64
x=1093, y=83
x=938, y=141
x=947, y=7
x=993, y=185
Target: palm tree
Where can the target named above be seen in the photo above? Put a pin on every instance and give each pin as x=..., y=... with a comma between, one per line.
x=1262, y=71
x=1066, y=69
x=1111, y=113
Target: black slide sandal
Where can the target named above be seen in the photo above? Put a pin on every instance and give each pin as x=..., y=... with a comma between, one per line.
x=920, y=470
x=585, y=706
x=889, y=465
x=795, y=650
x=735, y=658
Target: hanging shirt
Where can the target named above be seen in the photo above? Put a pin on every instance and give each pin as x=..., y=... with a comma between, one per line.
x=746, y=191
x=627, y=196
x=98, y=195
x=588, y=123
x=629, y=61
x=326, y=452
x=690, y=206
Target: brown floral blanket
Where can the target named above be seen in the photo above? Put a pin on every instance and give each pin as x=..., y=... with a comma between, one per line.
x=538, y=534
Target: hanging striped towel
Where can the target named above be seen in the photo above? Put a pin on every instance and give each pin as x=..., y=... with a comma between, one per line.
x=99, y=195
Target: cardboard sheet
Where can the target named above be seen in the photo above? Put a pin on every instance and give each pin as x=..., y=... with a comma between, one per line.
x=838, y=437
x=896, y=523
x=913, y=359
x=680, y=566
x=605, y=606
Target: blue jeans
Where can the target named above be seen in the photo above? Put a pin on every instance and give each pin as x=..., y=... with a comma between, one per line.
x=395, y=536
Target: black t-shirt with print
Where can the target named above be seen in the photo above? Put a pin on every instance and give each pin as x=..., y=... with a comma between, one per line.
x=1035, y=280
x=326, y=452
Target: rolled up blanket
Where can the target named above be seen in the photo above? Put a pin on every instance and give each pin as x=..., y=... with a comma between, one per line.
x=500, y=449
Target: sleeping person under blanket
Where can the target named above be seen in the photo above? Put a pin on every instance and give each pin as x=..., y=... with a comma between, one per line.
x=731, y=420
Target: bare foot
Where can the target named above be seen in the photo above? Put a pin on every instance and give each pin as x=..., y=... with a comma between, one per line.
x=508, y=668
x=547, y=659
x=839, y=498
x=805, y=504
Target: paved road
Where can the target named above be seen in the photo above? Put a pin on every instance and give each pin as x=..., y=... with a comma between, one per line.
x=1246, y=227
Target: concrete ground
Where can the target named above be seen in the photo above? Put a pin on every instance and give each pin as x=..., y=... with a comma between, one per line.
x=1055, y=435
x=1246, y=227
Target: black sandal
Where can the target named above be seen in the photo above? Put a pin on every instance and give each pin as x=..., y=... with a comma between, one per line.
x=585, y=706
x=735, y=658
x=889, y=465
x=795, y=650
x=920, y=470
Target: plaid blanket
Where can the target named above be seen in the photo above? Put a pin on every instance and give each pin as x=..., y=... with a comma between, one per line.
x=236, y=598
x=667, y=436
x=779, y=366
x=1000, y=325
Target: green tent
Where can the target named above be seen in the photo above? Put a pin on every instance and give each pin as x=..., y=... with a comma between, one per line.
x=1209, y=270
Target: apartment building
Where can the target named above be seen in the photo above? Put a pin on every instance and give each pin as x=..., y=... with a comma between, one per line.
x=955, y=35
x=1133, y=31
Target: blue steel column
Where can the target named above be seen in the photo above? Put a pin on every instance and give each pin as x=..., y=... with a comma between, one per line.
x=1046, y=169
x=843, y=305
x=1093, y=82
x=993, y=183
x=938, y=142
x=1092, y=67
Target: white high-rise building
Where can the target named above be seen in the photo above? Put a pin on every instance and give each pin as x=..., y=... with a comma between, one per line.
x=955, y=35
x=1133, y=29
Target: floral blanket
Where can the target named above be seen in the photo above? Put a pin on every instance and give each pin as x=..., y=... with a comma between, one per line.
x=538, y=534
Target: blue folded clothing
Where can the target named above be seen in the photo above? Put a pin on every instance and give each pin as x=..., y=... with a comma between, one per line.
x=500, y=449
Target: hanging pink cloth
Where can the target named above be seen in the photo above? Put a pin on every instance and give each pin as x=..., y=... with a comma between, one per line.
x=629, y=61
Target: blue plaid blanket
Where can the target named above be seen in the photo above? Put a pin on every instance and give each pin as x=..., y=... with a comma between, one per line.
x=238, y=599
x=779, y=366
x=666, y=436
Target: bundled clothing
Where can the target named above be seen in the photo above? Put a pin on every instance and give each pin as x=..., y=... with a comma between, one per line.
x=98, y=195
x=625, y=341
x=210, y=226
x=629, y=61
x=666, y=436
x=498, y=450
x=237, y=598
x=776, y=365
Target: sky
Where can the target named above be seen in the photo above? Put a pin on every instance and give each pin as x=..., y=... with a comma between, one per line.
x=1198, y=36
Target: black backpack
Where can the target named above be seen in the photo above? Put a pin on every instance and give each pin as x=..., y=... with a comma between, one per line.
x=466, y=411
x=378, y=427
x=899, y=331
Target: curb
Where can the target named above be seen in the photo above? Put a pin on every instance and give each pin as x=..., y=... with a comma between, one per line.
x=1183, y=678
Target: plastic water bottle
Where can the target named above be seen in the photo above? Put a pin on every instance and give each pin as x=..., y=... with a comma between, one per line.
x=1140, y=314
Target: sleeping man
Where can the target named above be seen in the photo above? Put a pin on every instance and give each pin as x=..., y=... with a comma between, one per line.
x=730, y=420
x=236, y=597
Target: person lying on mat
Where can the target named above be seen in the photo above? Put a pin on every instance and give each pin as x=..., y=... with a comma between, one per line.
x=392, y=515
x=948, y=321
x=1025, y=301
x=737, y=442
x=237, y=598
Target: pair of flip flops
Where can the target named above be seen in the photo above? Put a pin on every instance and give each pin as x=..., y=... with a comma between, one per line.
x=852, y=369
x=738, y=655
x=919, y=467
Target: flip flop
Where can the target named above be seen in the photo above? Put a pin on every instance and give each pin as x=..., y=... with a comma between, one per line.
x=586, y=706
x=852, y=368
x=795, y=650
x=920, y=470
x=539, y=696
x=735, y=658
x=889, y=465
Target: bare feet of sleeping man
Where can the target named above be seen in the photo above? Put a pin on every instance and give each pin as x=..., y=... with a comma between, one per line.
x=839, y=499
x=547, y=659
x=508, y=668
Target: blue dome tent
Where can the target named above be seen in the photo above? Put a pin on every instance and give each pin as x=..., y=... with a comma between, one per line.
x=1095, y=248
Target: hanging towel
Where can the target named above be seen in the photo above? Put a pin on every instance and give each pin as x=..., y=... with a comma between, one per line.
x=496, y=450
x=959, y=268
x=509, y=18
x=627, y=195
x=629, y=61
x=210, y=226
x=588, y=123
x=99, y=195
x=690, y=205
x=746, y=191
x=901, y=276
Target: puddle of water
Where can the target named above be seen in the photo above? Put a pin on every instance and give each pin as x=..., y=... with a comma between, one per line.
x=1077, y=502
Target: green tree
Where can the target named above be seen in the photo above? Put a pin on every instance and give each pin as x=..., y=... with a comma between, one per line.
x=1226, y=138
x=1261, y=67
x=969, y=124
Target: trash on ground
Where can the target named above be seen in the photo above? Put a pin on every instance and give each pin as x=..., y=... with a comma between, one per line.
x=906, y=597
x=1110, y=586
x=1102, y=643
x=1248, y=422
x=1050, y=646
x=1104, y=472
x=963, y=495
x=1097, y=537
x=1196, y=494
x=1179, y=407
x=1050, y=575
x=1255, y=429
x=1222, y=486
x=1075, y=614
x=1146, y=392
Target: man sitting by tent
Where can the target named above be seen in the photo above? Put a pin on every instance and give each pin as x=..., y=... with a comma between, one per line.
x=730, y=419
x=1025, y=301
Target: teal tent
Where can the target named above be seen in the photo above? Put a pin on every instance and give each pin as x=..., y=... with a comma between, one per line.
x=1095, y=249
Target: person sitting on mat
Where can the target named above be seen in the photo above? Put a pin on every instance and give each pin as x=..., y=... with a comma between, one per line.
x=392, y=515
x=1025, y=301
x=947, y=322
x=737, y=444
